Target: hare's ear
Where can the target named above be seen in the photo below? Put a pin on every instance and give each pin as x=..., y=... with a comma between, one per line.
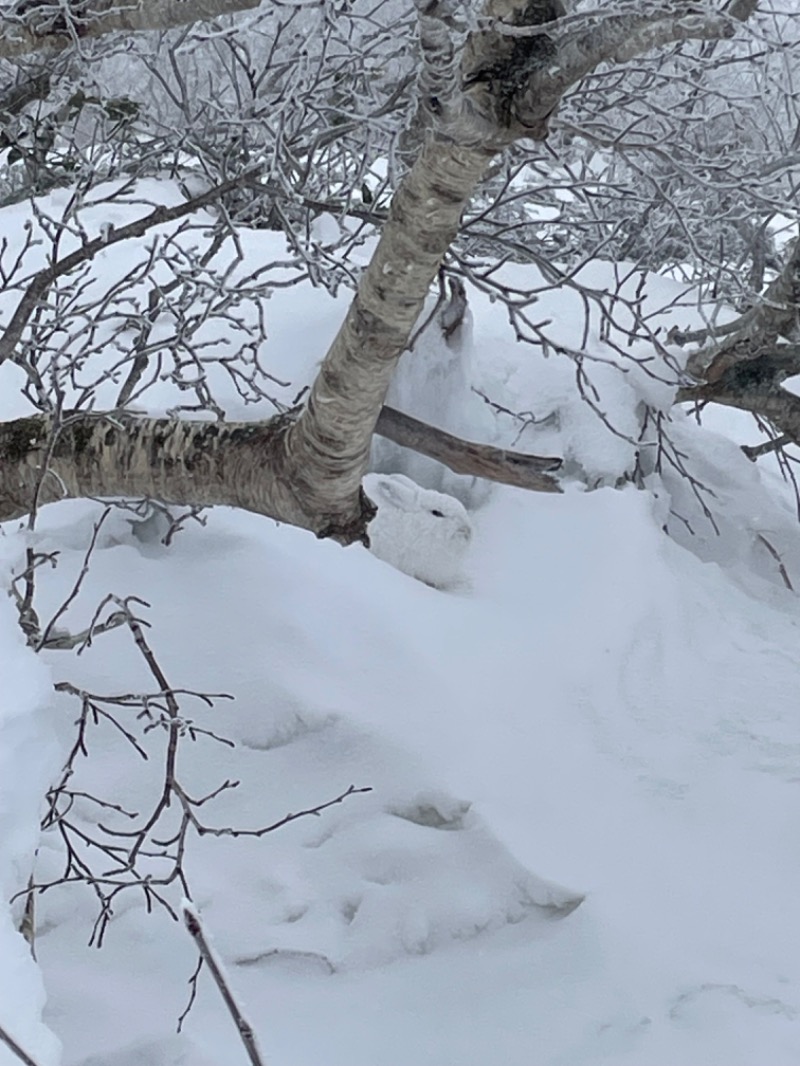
x=396, y=492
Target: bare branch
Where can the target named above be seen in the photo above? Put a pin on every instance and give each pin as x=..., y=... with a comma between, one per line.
x=43, y=279
x=15, y=1049
x=245, y=1030
x=109, y=16
x=467, y=457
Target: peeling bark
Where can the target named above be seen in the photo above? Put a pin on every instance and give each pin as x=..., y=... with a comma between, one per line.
x=200, y=463
x=329, y=445
x=230, y=464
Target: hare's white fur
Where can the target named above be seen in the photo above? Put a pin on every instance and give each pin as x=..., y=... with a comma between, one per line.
x=421, y=532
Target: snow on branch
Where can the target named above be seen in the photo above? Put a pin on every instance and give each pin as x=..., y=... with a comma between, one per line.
x=54, y=32
x=42, y=280
x=619, y=38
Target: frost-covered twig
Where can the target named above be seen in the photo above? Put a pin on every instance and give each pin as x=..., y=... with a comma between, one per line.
x=245, y=1030
x=100, y=853
x=44, y=278
x=15, y=1048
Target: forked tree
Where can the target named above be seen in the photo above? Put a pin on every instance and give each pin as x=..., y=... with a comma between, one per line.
x=489, y=78
x=490, y=81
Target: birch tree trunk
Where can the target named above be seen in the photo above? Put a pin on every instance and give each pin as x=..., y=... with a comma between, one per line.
x=329, y=445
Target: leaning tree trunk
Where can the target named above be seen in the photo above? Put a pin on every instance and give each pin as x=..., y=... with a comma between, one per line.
x=328, y=447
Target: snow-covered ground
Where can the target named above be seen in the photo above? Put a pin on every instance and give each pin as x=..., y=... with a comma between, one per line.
x=581, y=843
x=28, y=762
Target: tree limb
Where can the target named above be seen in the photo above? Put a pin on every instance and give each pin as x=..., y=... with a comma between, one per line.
x=330, y=441
x=775, y=315
x=779, y=407
x=44, y=278
x=466, y=457
x=19, y=38
x=234, y=464
x=585, y=42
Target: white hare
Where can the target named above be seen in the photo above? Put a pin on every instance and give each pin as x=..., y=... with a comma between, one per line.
x=421, y=532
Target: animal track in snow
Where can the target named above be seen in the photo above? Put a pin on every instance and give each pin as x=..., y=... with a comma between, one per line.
x=693, y=999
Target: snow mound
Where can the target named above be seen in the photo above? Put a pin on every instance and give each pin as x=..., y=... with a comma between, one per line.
x=27, y=763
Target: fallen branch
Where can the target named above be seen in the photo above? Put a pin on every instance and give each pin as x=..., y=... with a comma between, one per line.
x=466, y=457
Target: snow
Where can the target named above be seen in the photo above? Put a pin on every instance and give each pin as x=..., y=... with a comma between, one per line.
x=580, y=843
x=28, y=760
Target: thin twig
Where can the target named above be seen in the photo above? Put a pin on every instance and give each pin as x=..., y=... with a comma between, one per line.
x=776, y=556
x=15, y=1049
x=192, y=922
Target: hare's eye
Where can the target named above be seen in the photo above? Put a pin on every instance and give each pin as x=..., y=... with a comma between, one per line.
x=437, y=514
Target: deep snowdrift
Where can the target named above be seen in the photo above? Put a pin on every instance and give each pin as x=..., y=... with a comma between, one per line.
x=599, y=712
